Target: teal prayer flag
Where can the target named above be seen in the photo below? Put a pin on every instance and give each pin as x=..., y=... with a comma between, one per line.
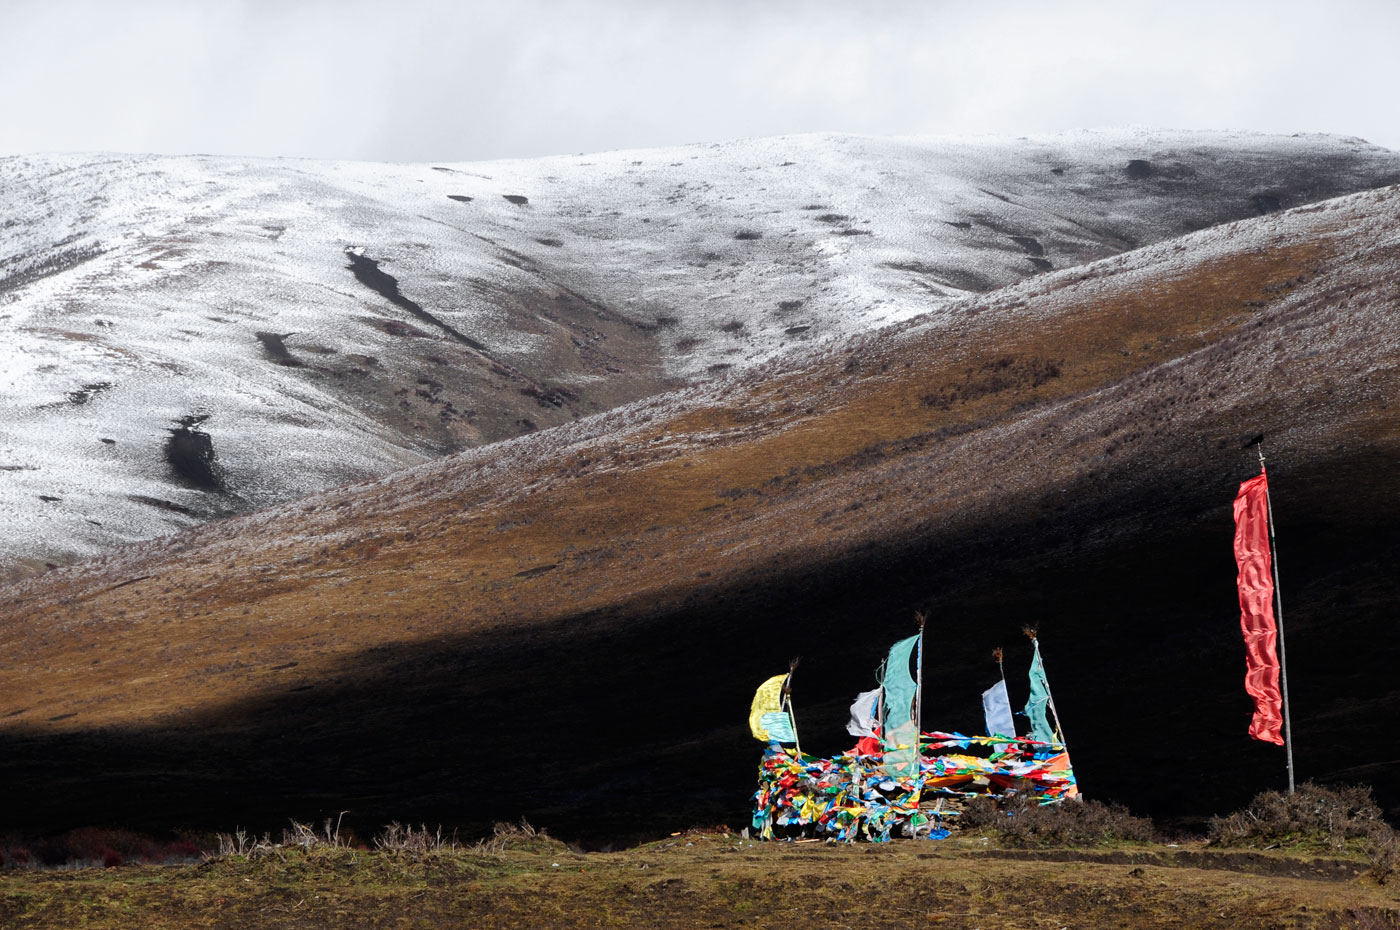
x=1039, y=700
x=778, y=723
x=900, y=727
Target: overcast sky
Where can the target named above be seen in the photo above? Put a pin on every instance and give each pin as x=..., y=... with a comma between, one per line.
x=397, y=80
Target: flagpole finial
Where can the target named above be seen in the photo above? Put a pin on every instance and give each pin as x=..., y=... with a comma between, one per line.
x=1258, y=443
x=998, y=655
x=921, y=618
x=787, y=682
x=1031, y=631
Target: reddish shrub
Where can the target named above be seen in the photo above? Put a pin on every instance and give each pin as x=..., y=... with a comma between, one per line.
x=183, y=849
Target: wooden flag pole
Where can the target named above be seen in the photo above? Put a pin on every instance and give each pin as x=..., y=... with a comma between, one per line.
x=1032, y=635
x=1278, y=621
x=787, y=699
x=919, y=688
x=999, y=655
x=880, y=707
x=1050, y=699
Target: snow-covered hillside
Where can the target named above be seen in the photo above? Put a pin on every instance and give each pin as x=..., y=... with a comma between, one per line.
x=186, y=337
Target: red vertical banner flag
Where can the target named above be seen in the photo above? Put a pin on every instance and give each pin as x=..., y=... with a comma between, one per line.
x=1256, y=583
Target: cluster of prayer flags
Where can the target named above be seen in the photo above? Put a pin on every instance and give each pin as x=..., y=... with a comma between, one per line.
x=897, y=780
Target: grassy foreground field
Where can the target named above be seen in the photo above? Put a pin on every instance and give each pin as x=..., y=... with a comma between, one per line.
x=713, y=880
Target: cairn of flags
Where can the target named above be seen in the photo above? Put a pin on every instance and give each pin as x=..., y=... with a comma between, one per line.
x=898, y=780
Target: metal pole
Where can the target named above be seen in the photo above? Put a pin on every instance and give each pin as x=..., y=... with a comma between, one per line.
x=1278, y=620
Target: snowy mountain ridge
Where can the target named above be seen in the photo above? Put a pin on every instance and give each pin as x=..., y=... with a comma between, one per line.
x=187, y=337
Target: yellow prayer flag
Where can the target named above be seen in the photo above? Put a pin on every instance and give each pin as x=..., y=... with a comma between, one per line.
x=766, y=700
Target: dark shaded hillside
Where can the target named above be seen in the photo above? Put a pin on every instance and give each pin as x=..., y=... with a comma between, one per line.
x=571, y=626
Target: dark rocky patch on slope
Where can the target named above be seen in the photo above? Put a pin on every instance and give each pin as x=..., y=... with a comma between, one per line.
x=368, y=273
x=275, y=344
x=1139, y=169
x=190, y=453
x=87, y=392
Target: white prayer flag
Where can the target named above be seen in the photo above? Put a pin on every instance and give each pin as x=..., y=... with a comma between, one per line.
x=996, y=705
x=865, y=714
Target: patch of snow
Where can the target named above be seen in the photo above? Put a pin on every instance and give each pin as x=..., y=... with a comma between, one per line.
x=132, y=288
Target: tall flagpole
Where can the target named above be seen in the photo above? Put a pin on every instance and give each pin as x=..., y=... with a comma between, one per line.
x=1050, y=699
x=880, y=707
x=919, y=690
x=1050, y=695
x=999, y=655
x=787, y=699
x=1278, y=621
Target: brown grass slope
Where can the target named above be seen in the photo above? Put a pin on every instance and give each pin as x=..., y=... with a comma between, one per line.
x=570, y=625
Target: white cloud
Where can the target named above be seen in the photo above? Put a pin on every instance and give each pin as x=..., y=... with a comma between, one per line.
x=466, y=80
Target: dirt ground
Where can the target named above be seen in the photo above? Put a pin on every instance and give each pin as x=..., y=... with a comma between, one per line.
x=716, y=881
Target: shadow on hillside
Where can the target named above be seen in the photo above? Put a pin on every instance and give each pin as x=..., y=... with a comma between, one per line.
x=632, y=722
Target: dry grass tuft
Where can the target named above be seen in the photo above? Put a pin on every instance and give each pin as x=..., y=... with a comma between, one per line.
x=517, y=837
x=415, y=842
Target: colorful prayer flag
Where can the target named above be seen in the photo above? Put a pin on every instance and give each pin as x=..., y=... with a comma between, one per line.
x=1256, y=585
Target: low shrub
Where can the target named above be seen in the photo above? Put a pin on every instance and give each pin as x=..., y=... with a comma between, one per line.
x=1069, y=823
x=1342, y=819
x=88, y=847
x=1382, y=851
x=1313, y=817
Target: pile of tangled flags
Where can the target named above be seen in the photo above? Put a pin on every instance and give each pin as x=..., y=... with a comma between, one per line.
x=882, y=788
x=851, y=796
